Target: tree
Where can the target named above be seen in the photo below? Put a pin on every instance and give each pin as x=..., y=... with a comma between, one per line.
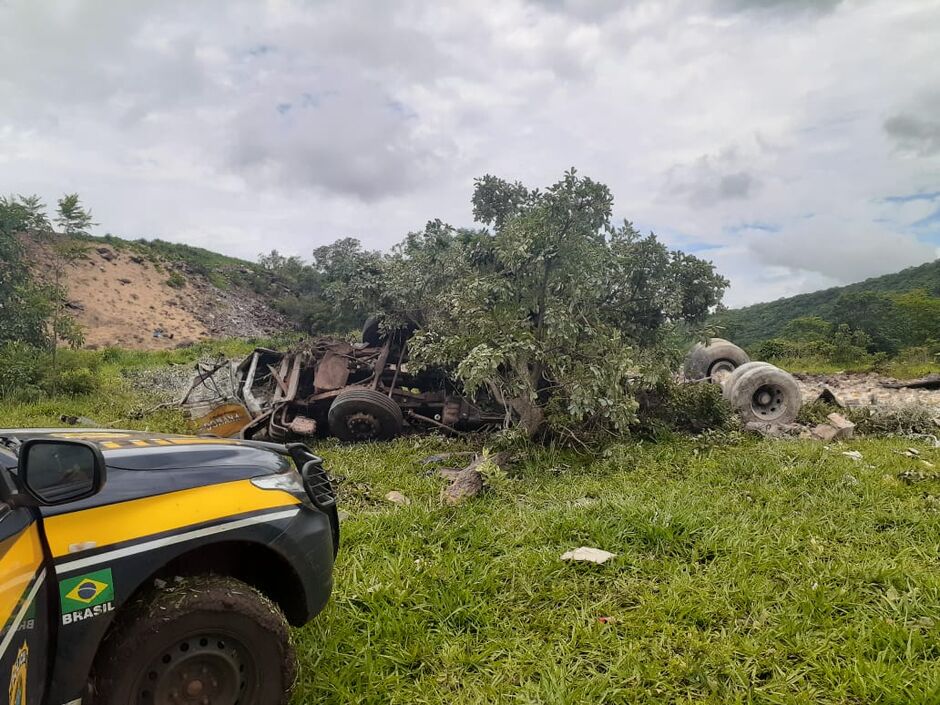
x=874, y=313
x=72, y=218
x=24, y=305
x=34, y=214
x=544, y=306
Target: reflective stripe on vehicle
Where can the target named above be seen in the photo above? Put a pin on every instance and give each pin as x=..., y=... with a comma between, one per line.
x=145, y=546
x=21, y=612
x=136, y=519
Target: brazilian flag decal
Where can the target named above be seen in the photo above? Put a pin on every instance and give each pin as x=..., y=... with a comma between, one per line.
x=86, y=590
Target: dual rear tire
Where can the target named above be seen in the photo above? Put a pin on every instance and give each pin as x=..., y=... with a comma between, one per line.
x=763, y=393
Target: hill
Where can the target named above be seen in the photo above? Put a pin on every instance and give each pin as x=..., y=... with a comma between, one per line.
x=156, y=295
x=752, y=324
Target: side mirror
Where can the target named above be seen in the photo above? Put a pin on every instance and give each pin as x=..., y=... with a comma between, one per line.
x=53, y=471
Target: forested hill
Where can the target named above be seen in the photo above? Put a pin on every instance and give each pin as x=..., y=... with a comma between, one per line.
x=752, y=324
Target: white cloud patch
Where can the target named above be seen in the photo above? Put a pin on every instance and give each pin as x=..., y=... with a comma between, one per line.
x=762, y=130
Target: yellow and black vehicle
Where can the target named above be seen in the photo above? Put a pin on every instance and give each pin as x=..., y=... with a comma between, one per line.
x=142, y=569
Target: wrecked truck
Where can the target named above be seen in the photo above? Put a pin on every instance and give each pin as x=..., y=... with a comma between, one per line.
x=328, y=387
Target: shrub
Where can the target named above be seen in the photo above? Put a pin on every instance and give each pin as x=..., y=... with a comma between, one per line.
x=21, y=367
x=685, y=408
x=176, y=280
x=78, y=380
x=908, y=420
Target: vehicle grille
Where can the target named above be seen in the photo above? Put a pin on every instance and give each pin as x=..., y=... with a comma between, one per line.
x=318, y=485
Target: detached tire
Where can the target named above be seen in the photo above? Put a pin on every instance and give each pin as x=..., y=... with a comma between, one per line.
x=364, y=415
x=728, y=384
x=206, y=639
x=766, y=394
x=703, y=362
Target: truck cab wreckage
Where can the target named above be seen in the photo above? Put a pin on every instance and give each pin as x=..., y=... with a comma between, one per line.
x=328, y=387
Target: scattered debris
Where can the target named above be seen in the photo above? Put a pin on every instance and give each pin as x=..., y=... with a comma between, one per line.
x=587, y=554
x=913, y=476
x=829, y=396
x=845, y=427
x=839, y=428
x=79, y=421
x=396, y=497
x=825, y=432
x=931, y=381
x=853, y=454
x=774, y=430
x=469, y=481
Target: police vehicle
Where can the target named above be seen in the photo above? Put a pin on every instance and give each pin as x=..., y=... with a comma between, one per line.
x=142, y=569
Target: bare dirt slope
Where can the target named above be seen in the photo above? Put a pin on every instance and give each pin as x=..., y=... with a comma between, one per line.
x=123, y=299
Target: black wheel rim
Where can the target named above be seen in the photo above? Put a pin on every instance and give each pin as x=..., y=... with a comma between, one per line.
x=769, y=402
x=363, y=427
x=204, y=669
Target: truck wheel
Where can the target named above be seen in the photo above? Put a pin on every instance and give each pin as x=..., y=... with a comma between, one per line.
x=364, y=415
x=719, y=356
x=766, y=394
x=206, y=639
x=728, y=384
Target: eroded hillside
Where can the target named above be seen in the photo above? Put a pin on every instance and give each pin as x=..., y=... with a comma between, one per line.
x=124, y=298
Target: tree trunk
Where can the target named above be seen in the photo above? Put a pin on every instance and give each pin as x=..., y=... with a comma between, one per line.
x=531, y=415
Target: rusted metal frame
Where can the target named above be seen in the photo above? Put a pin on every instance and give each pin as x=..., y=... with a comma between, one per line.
x=380, y=363
x=401, y=356
x=434, y=422
x=280, y=379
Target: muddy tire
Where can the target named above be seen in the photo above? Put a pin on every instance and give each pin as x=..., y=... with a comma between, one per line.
x=728, y=384
x=766, y=394
x=364, y=415
x=703, y=362
x=204, y=639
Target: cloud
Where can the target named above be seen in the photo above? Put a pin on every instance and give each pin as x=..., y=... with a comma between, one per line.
x=915, y=134
x=779, y=6
x=243, y=126
x=842, y=251
x=712, y=179
x=350, y=139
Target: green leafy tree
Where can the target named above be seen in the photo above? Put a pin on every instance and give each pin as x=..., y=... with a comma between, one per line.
x=807, y=328
x=874, y=313
x=72, y=218
x=24, y=305
x=35, y=219
x=544, y=306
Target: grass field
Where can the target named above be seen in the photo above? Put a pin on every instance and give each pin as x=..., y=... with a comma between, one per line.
x=746, y=571
x=772, y=572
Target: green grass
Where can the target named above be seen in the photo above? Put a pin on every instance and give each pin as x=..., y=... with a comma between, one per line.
x=897, y=368
x=773, y=572
x=747, y=571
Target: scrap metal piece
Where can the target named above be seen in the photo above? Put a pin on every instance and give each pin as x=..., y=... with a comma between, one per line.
x=223, y=421
x=332, y=371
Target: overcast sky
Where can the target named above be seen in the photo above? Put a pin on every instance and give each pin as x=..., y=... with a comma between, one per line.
x=795, y=143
